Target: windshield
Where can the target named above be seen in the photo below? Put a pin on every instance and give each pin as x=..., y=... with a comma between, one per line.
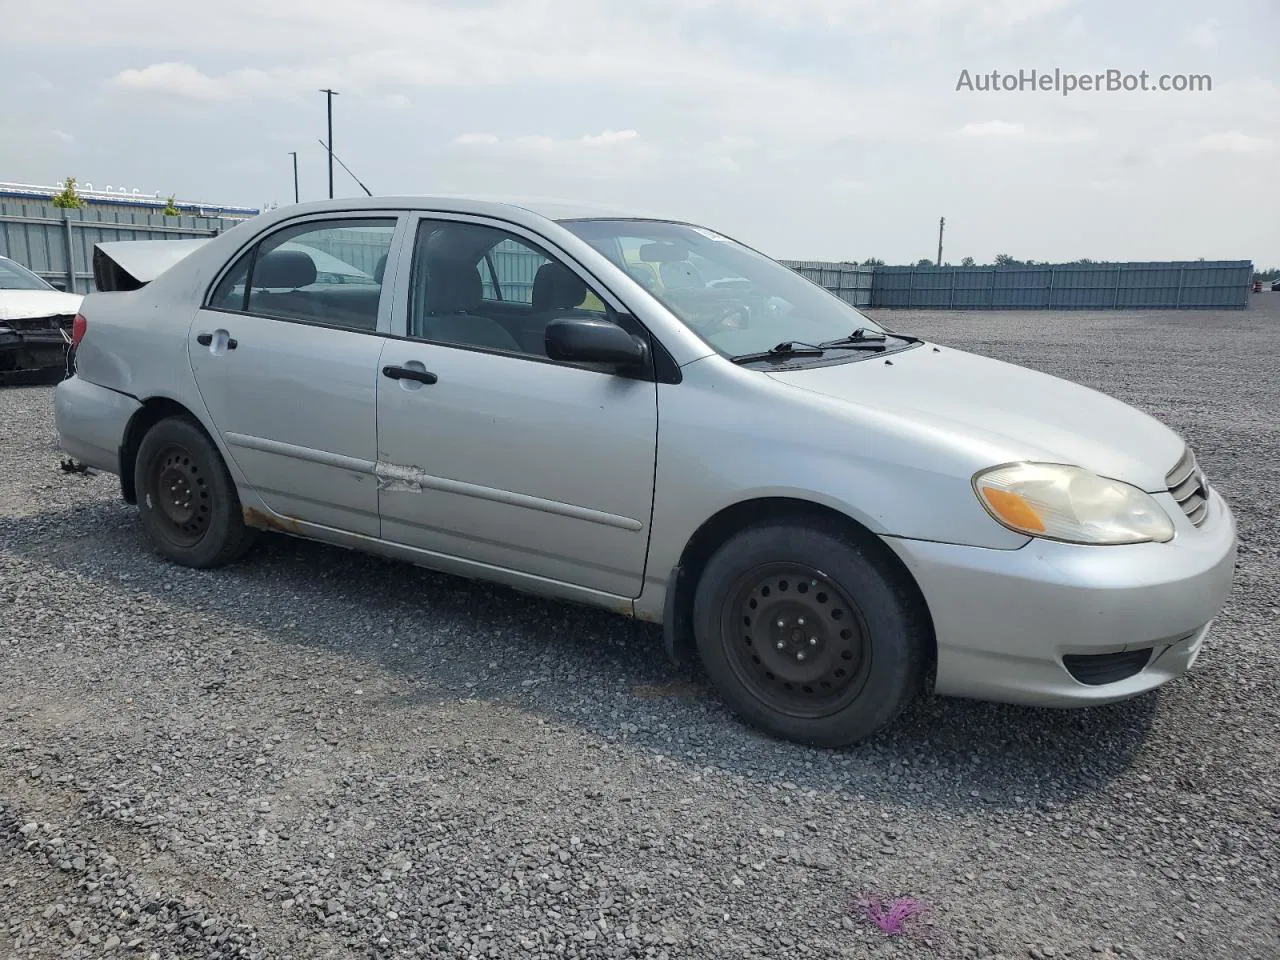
x=737, y=300
x=15, y=277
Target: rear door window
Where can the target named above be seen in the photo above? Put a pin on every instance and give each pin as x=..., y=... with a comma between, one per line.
x=326, y=272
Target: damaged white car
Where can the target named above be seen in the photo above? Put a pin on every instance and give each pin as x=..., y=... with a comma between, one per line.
x=35, y=325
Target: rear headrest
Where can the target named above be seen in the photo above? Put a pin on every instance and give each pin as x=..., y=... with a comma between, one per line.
x=284, y=268
x=380, y=268
x=453, y=287
x=556, y=287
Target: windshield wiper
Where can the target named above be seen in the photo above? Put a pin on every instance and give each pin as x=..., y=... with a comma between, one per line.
x=788, y=348
x=861, y=335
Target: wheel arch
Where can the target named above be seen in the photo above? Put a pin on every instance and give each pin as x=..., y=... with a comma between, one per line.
x=152, y=411
x=716, y=530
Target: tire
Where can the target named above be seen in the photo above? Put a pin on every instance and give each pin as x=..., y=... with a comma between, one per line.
x=811, y=636
x=186, y=499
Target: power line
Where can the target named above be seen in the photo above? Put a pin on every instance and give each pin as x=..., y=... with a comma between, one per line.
x=334, y=156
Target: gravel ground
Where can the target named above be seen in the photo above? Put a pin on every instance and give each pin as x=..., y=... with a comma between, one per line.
x=318, y=754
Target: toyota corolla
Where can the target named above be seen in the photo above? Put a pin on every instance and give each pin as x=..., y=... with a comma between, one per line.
x=651, y=417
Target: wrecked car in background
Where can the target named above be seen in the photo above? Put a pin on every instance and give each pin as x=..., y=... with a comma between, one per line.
x=35, y=325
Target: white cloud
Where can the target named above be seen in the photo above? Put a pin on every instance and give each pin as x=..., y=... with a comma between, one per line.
x=188, y=82
x=471, y=139
x=319, y=27
x=1235, y=142
x=539, y=143
x=878, y=16
x=609, y=155
x=1205, y=34
x=37, y=83
x=1017, y=132
x=609, y=138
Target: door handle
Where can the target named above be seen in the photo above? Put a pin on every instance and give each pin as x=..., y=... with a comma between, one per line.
x=206, y=339
x=405, y=373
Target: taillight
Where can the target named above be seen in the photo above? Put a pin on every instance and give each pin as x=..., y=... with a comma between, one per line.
x=78, y=327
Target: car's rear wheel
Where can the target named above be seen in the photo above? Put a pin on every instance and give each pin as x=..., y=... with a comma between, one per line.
x=812, y=636
x=186, y=498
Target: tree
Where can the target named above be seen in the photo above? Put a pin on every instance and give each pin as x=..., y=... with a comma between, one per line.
x=170, y=208
x=924, y=262
x=1085, y=260
x=967, y=262
x=68, y=198
x=1004, y=260
x=872, y=262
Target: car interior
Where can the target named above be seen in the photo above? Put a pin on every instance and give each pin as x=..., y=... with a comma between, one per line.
x=452, y=305
x=284, y=285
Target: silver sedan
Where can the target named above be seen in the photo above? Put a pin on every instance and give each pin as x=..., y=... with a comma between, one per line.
x=651, y=417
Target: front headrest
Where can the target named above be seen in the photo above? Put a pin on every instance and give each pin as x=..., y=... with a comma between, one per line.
x=380, y=268
x=453, y=287
x=556, y=287
x=284, y=268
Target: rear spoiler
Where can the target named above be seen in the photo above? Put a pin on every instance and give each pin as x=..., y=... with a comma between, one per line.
x=130, y=264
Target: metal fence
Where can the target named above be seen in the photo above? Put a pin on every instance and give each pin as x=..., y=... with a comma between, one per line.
x=850, y=282
x=1193, y=284
x=57, y=243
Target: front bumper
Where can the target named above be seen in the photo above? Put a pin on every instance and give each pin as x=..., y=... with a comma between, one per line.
x=32, y=350
x=1006, y=619
x=91, y=422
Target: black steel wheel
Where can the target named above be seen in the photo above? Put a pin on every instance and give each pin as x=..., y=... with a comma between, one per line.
x=814, y=636
x=795, y=639
x=180, y=494
x=186, y=498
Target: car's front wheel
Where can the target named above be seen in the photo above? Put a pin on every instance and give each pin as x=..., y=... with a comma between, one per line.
x=186, y=498
x=810, y=635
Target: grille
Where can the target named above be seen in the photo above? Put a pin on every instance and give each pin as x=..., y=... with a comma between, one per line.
x=1095, y=669
x=1189, y=487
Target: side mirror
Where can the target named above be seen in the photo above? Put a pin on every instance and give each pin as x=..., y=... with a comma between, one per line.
x=587, y=340
x=59, y=285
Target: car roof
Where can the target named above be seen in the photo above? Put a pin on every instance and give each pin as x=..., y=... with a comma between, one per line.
x=550, y=208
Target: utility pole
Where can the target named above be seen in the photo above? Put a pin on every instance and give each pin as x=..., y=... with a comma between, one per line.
x=330, y=94
x=294, y=154
x=942, y=221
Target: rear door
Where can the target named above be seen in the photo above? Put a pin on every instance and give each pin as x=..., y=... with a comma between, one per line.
x=285, y=355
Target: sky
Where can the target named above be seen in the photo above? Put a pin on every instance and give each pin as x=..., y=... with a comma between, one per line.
x=811, y=129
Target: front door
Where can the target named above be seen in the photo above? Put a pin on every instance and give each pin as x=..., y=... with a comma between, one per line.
x=490, y=452
x=285, y=356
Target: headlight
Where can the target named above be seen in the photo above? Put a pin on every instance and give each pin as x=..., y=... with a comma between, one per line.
x=1059, y=502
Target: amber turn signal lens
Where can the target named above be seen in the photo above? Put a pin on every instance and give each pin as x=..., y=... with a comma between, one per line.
x=1014, y=510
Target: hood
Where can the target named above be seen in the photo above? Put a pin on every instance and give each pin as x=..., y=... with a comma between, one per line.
x=1021, y=414
x=32, y=304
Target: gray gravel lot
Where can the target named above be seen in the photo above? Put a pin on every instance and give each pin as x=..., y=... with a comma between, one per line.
x=319, y=754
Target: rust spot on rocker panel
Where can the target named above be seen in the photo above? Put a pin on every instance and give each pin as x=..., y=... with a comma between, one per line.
x=269, y=521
